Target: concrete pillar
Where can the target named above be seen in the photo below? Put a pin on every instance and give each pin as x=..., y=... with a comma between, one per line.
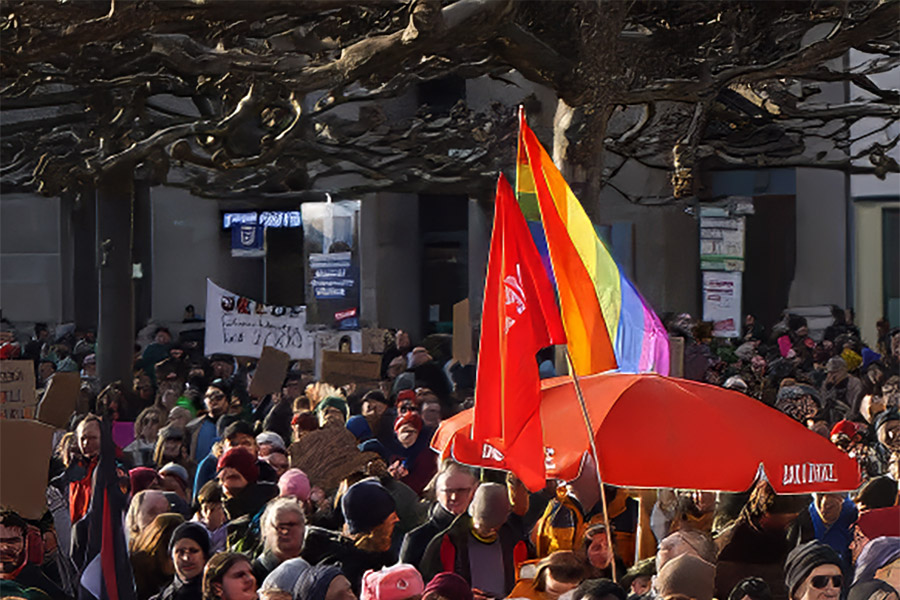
x=399, y=263
x=480, y=224
x=821, y=268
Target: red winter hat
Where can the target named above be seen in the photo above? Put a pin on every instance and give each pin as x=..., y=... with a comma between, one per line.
x=407, y=395
x=849, y=428
x=242, y=460
x=880, y=522
x=409, y=418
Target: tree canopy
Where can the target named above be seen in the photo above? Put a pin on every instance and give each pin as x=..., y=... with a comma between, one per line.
x=238, y=98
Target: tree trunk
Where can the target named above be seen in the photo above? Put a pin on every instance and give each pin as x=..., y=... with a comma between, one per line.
x=115, y=331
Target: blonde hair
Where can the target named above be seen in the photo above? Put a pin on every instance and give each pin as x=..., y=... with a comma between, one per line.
x=134, y=509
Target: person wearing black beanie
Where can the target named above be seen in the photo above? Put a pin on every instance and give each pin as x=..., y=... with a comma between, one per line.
x=369, y=518
x=189, y=549
x=813, y=572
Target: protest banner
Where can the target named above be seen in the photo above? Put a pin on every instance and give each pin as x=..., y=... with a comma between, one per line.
x=60, y=397
x=242, y=327
x=270, y=371
x=462, y=333
x=17, y=396
x=341, y=368
x=25, y=449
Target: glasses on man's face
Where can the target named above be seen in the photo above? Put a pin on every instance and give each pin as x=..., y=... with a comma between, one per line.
x=820, y=581
x=286, y=527
x=217, y=396
x=456, y=491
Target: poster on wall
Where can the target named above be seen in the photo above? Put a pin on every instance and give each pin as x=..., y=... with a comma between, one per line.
x=722, y=302
x=240, y=326
x=331, y=252
x=721, y=240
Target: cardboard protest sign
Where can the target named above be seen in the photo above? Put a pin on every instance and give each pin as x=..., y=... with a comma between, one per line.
x=338, y=341
x=270, y=371
x=17, y=397
x=373, y=340
x=328, y=455
x=58, y=403
x=341, y=368
x=676, y=357
x=25, y=449
x=242, y=327
x=462, y=333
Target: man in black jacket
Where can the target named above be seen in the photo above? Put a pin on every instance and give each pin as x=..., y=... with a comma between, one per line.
x=454, y=488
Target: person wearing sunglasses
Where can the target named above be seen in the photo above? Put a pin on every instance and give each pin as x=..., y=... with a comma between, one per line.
x=813, y=572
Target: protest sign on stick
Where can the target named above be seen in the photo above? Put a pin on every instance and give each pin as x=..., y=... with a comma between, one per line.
x=462, y=333
x=25, y=449
x=270, y=371
x=17, y=397
x=341, y=368
x=58, y=403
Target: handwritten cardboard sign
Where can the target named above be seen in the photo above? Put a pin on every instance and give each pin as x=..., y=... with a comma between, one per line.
x=58, y=403
x=341, y=368
x=17, y=397
x=328, y=455
x=25, y=449
x=270, y=371
x=462, y=333
x=17, y=394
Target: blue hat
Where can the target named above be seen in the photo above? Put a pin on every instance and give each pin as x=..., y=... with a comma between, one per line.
x=359, y=427
x=869, y=356
x=366, y=504
x=374, y=445
x=313, y=582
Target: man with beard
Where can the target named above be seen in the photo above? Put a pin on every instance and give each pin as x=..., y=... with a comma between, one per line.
x=13, y=563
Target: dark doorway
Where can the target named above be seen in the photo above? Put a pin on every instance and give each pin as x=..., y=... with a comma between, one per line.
x=284, y=266
x=444, y=226
x=770, y=257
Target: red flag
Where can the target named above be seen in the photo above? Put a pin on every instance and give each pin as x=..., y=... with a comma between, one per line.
x=519, y=317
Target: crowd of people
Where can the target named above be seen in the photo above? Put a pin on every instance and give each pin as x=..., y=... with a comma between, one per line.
x=320, y=492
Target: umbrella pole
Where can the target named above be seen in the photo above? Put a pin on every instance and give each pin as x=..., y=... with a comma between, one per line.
x=590, y=434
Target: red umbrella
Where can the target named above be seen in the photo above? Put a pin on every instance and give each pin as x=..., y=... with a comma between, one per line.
x=654, y=431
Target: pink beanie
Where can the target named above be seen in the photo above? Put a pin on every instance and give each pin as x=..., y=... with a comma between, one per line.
x=399, y=582
x=294, y=482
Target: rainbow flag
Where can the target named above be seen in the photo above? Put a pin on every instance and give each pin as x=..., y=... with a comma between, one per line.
x=608, y=323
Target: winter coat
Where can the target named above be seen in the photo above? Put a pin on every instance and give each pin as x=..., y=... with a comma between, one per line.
x=449, y=551
x=416, y=541
x=178, y=590
x=325, y=547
